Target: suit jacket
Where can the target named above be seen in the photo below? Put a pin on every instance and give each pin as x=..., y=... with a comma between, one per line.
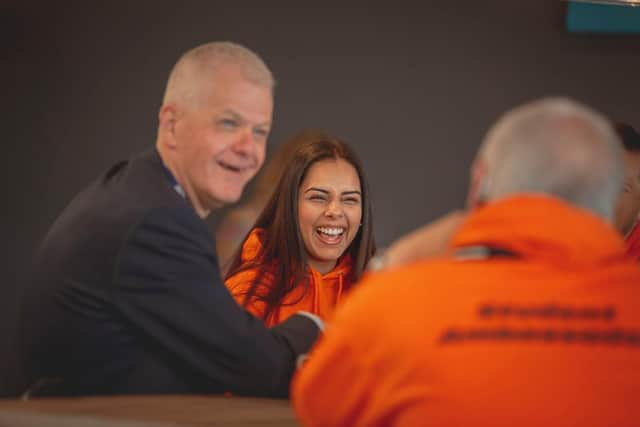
x=126, y=297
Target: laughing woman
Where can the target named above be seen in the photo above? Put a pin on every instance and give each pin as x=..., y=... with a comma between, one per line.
x=313, y=239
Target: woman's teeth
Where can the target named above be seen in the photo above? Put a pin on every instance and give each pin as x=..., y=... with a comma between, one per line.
x=331, y=231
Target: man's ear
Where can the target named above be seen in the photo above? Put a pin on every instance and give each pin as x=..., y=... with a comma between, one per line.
x=167, y=124
x=478, y=182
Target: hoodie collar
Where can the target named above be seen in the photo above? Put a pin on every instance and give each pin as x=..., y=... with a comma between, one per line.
x=343, y=267
x=338, y=273
x=541, y=227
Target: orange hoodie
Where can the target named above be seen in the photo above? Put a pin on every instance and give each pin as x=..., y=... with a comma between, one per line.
x=544, y=332
x=323, y=291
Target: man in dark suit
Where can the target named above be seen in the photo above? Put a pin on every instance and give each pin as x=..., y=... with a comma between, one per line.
x=126, y=295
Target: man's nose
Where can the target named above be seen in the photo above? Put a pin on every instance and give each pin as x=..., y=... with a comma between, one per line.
x=245, y=143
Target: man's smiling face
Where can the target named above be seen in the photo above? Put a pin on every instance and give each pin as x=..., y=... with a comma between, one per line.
x=220, y=139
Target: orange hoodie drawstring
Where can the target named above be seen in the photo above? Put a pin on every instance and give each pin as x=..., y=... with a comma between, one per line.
x=316, y=292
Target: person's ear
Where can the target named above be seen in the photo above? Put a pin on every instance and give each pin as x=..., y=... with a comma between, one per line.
x=167, y=124
x=478, y=184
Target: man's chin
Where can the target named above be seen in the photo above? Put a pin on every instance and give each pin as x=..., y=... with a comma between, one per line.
x=228, y=198
x=225, y=194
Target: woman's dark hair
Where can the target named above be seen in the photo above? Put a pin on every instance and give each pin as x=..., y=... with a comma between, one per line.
x=283, y=253
x=630, y=138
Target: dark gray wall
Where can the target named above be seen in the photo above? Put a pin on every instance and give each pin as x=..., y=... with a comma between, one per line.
x=413, y=87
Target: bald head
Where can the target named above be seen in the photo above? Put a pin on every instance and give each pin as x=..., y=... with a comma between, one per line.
x=193, y=76
x=554, y=146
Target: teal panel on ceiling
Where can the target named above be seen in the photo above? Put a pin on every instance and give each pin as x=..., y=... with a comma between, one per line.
x=602, y=18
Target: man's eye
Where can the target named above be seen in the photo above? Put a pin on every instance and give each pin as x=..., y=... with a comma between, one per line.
x=229, y=123
x=260, y=133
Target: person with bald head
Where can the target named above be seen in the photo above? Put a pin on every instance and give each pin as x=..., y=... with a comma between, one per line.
x=527, y=318
x=126, y=295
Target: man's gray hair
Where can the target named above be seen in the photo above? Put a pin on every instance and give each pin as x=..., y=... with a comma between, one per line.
x=198, y=65
x=558, y=147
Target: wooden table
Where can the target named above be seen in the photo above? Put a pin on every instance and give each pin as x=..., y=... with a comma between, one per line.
x=146, y=411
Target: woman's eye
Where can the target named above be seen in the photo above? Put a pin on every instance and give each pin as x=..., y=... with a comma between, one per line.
x=352, y=201
x=319, y=198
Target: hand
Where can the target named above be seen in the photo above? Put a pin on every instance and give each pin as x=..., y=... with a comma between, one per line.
x=427, y=241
